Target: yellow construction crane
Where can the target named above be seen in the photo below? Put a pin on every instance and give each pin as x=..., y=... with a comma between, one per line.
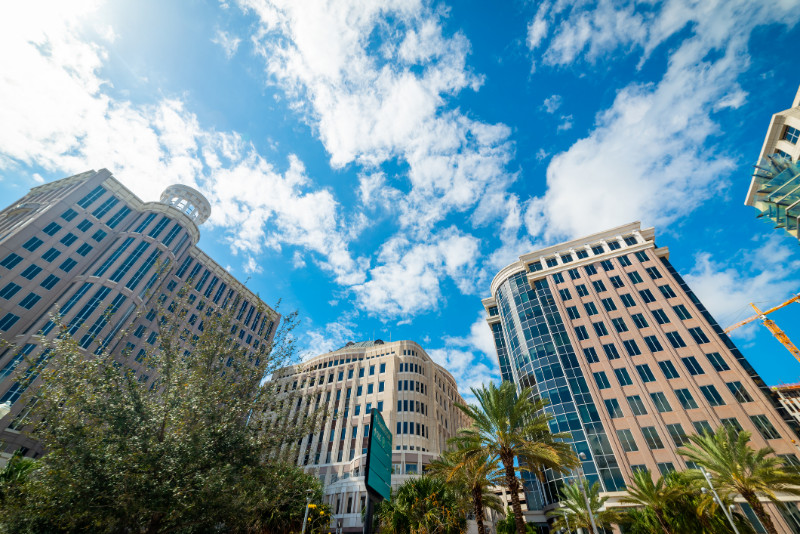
x=777, y=332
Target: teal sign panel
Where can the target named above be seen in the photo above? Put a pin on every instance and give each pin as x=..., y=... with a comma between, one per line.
x=379, y=457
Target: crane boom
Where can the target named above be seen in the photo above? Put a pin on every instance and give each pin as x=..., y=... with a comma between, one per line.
x=782, y=337
x=761, y=314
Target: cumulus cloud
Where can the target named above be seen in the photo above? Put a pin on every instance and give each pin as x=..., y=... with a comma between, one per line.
x=227, y=41
x=552, y=103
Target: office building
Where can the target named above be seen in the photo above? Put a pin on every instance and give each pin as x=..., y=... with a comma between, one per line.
x=89, y=249
x=629, y=358
x=775, y=187
x=415, y=396
x=789, y=397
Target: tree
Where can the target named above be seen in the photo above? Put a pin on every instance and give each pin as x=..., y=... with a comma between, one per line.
x=573, y=504
x=736, y=468
x=185, y=451
x=657, y=496
x=508, y=525
x=424, y=505
x=15, y=474
x=511, y=427
x=474, y=474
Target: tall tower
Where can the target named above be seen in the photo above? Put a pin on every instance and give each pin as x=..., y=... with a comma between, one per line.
x=631, y=361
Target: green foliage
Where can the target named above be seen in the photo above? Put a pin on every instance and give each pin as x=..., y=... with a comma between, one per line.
x=510, y=426
x=15, y=474
x=423, y=505
x=507, y=525
x=192, y=451
x=573, y=504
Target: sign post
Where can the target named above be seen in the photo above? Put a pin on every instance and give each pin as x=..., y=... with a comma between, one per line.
x=378, y=478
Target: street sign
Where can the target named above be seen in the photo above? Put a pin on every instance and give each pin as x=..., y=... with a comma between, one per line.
x=379, y=457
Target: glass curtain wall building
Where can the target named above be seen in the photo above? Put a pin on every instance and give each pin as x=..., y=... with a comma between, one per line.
x=630, y=360
x=89, y=249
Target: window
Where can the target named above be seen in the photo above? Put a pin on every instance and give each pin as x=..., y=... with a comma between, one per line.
x=639, y=468
x=613, y=408
x=686, y=399
x=52, y=228
x=51, y=254
x=668, y=369
x=630, y=241
x=581, y=289
x=84, y=225
x=582, y=254
x=698, y=335
x=635, y=277
x=682, y=312
x=9, y=290
x=591, y=309
x=605, y=264
x=572, y=312
x=692, y=366
x=653, y=344
x=702, y=427
x=619, y=324
x=764, y=427
x=84, y=249
x=371, y=389
x=611, y=351
x=739, y=393
x=341, y=376
x=791, y=134
x=647, y=296
x=641, y=256
x=50, y=281
x=590, y=269
x=602, y=380
x=68, y=264
x=99, y=235
x=653, y=273
x=30, y=272
x=564, y=293
x=639, y=320
x=661, y=402
x=627, y=300
x=535, y=266
x=652, y=438
x=600, y=328
x=667, y=291
x=382, y=368
x=566, y=258
x=623, y=260
x=32, y=244
x=675, y=339
x=10, y=261
x=623, y=377
x=69, y=215
x=574, y=274
x=645, y=373
x=661, y=317
x=551, y=262
x=581, y=333
x=717, y=362
x=599, y=286
x=712, y=395
x=558, y=278
x=636, y=404
x=30, y=301
x=665, y=468
x=118, y=217
x=626, y=440
x=733, y=423
x=609, y=305
x=380, y=387
x=616, y=281
x=591, y=355
x=68, y=239
x=8, y=321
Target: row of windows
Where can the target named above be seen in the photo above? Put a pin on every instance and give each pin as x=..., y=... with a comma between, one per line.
x=606, y=265
x=666, y=366
x=566, y=257
x=599, y=286
x=674, y=338
x=409, y=367
x=412, y=406
x=684, y=397
x=410, y=427
x=638, y=319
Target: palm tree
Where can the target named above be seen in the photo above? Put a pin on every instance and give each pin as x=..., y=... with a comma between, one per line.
x=736, y=468
x=657, y=496
x=573, y=505
x=424, y=505
x=511, y=427
x=475, y=473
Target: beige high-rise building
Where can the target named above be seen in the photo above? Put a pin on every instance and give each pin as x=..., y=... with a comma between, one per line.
x=415, y=396
x=88, y=248
x=632, y=362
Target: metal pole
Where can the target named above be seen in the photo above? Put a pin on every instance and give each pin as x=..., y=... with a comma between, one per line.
x=305, y=517
x=368, y=518
x=567, y=522
x=581, y=478
x=725, y=510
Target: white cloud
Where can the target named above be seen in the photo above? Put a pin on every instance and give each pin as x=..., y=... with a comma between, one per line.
x=228, y=42
x=332, y=336
x=252, y=266
x=566, y=123
x=552, y=103
x=651, y=156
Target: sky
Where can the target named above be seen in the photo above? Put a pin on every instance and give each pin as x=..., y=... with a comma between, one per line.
x=372, y=164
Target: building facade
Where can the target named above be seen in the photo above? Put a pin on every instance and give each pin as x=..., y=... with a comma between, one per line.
x=416, y=397
x=789, y=397
x=630, y=360
x=89, y=249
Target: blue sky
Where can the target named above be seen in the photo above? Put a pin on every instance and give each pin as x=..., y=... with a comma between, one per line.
x=375, y=163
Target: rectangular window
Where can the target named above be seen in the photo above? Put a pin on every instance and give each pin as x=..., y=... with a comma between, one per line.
x=99, y=235
x=698, y=335
x=626, y=440
x=619, y=325
x=590, y=270
x=653, y=344
x=382, y=368
x=68, y=239
x=647, y=296
x=692, y=365
x=371, y=370
x=8, y=321
x=630, y=241
x=642, y=256
x=573, y=313
x=535, y=266
x=635, y=277
x=582, y=254
x=609, y=305
x=67, y=265
x=9, y=290
x=616, y=281
x=645, y=373
x=601, y=380
x=605, y=264
x=85, y=225
x=564, y=293
x=652, y=438
x=93, y=195
x=566, y=258
x=682, y=313
x=574, y=274
x=712, y=395
x=10, y=261
x=51, y=229
x=105, y=207
x=764, y=427
x=558, y=278
x=702, y=427
x=581, y=289
x=627, y=300
x=623, y=260
x=613, y=408
x=599, y=286
x=677, y=434
x=591, y=309
x=118, y=217
x=551, y=262
x=591, y=355
x=686, y=399
x=600, y=328
x=739, y=393
x=661, y=317
x=667, y=291
x=581, y=333
x=639, y=320
x=661, y=402
x=636, y=404
x=380, y=387
x=32, y=244
x=623, y=377
x=51, y=254
x=653, y=273
x=791, y=134
x=733, y=423
x=717, y=362
x=665, y=468
x=30, y=272
x=84, y=249
x=675, y=340
x=611, y=351
x=69, y=215
x=50, y=281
